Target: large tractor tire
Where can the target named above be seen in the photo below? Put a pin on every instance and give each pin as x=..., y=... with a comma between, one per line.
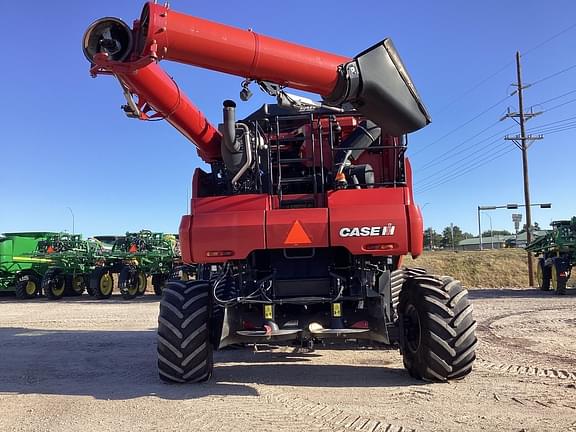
x=142, y=283
x=184, y=346
x=128, y=282
x=27, y=285
x=75, y=285
x=437, y=331
x=543, y=275
x=158, y=283
x=558, y=278
x=54, y=283
x=101, y=283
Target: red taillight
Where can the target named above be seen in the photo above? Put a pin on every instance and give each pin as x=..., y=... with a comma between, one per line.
x=380, y=246
x=360, y=325
x=221, y=253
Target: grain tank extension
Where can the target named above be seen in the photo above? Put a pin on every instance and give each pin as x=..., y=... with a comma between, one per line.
x=300, y=225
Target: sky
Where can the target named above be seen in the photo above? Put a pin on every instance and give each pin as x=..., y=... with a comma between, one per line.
x=68, y=152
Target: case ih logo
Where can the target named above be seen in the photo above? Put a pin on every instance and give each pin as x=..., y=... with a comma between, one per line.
x=365, y=231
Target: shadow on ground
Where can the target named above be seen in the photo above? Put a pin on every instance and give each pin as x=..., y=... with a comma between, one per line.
x=122, y=365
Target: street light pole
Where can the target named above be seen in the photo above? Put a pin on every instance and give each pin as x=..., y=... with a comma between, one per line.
x=72, y=213
x=479, y=229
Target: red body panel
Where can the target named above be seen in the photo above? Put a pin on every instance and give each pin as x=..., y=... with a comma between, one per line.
x=244, y=53
x=375, y=221
x=156, y=88
x=369, y=208
x=233, y=224
x=314, y=222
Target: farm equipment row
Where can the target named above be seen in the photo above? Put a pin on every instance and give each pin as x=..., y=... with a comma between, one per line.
x=556, y=253
x=61, y=264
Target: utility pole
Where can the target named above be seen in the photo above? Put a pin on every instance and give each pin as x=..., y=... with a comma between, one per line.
x=523, y=142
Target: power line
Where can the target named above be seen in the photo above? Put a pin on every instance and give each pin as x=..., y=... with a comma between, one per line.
x=461, y=173
x=556, y=97
x=551, y=38
x=459, y=162
x=503, y=68
x=555, y=74
x=491, y=107
x=451, y=152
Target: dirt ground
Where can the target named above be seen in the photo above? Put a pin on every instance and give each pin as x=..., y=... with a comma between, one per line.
x=86, y=365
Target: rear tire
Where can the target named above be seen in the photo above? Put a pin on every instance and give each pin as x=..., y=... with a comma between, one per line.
x=543, y=275
x=158, y=282
x=101, y=283
x=437, y=331
x=54, y=283
x=75, y=285
x=142, y=283
x=184, y=346
x=558, y=278
x=27, y=286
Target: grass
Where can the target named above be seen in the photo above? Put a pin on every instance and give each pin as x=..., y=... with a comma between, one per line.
x=482, y=269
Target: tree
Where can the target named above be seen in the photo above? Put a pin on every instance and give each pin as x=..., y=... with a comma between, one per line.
x=432, y=239
x=451, y=236
x=535, y=227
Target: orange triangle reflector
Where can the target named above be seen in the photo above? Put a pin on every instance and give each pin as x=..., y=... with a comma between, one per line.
x=297, y=235
x=133, y=248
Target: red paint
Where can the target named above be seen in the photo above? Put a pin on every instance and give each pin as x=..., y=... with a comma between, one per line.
x=297, y=236
x=155, y=88
x=280, y=223
x=199, y=42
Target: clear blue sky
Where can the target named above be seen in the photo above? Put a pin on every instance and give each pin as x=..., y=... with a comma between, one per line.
x=65, y=143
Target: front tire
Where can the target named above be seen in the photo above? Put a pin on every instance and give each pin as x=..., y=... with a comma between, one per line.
x=101, y=283
x=437, y=331
x=128, y=282
x=559, y=279
x=184, y=346
x=54, y=283
x=27, y=286
x=75, y=285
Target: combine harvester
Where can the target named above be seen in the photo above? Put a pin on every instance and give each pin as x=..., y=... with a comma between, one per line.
x=556, y=253
x=300, y=226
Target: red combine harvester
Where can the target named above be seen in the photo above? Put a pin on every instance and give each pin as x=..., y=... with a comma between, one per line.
x=300, y=226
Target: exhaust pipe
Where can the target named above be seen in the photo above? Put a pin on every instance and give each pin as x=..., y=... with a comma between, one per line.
x=228, y=128
x=108, y=35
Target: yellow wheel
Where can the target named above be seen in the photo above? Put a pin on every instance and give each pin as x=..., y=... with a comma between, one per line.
x=27, y=286
x=128, y=282
x=54, y=283
x=142, y=283
x=30, y=288
x=554, y=277
x=106, y=284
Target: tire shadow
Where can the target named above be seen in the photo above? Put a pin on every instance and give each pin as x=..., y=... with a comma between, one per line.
x=122, y=365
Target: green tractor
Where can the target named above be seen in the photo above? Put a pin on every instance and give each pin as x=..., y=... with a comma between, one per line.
x=72, y=261
x=20, y=272
x=556, y=253
x=133, y=258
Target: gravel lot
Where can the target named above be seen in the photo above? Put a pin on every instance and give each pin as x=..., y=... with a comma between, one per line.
x=86, y=365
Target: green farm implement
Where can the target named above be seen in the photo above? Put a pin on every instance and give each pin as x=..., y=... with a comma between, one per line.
x=133, y=258
x=21, y=273
x=71, y=261
x=556, y=253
